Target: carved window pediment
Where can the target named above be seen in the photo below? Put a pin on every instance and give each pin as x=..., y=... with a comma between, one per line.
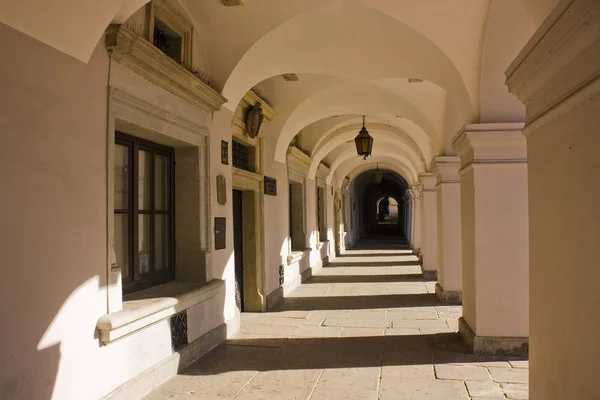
x=146, y=60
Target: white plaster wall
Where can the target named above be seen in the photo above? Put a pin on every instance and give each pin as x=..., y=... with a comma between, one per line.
x=449, y=236
x=52, y=218
x=276, y=214
x=53, y=231
x=500, y=47
x=467, y=184
x=564, y=195
x=502, y=250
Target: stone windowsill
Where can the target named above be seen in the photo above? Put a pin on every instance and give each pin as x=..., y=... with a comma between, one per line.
x=320, y=245
x=298, y=255
x=152, y=305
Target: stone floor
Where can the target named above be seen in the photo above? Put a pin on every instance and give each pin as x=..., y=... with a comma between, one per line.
x=365, y=327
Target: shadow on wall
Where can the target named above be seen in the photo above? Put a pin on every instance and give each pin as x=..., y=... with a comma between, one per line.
x=44, y=335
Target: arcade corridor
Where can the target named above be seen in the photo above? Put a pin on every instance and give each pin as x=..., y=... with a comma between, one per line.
x=367, y=326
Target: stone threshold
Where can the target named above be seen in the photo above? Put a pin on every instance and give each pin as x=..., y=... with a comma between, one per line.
x=153, y=305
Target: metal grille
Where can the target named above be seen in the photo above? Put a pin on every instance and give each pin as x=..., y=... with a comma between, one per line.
x=240, y=156
x=179, y=330
x=281, y=275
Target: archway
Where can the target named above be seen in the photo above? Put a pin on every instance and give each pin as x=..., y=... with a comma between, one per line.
x=382, y=212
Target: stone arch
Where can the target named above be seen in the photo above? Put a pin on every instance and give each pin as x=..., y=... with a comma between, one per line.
x=401, y=52
x=350, y=99
x=378, y=131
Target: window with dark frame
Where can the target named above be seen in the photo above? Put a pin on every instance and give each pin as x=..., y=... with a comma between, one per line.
x=240, y=155
x=167, y=40
x=143, y=212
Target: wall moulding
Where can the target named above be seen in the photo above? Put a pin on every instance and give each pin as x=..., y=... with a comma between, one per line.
x=563, y=54
x=489, y=143
x=298, y=161
x=446, y=169
x=143, y=58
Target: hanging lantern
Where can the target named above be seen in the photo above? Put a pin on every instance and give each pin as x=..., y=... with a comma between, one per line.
x=363, y=142
x=377, y=176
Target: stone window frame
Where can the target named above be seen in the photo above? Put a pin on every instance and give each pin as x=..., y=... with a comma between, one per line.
x=298, y=164
x=128, y=314
x=163, y=11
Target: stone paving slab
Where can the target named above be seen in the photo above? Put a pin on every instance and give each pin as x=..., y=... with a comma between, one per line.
x=351, y=332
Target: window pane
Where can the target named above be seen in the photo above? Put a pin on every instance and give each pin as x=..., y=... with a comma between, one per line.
x=144, y=243
x=161, y=247
x=160, y=182
x=144, y=180
x=121, y=242
x=121, y=171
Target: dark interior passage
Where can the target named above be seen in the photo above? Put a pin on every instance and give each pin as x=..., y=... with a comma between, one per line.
x=383, y=211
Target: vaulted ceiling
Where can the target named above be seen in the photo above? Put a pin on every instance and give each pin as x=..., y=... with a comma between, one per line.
x=417, y=69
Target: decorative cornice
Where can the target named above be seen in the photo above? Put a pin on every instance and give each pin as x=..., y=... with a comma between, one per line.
x=446, y=169
x=428, y=180
x=323, y=171
x=232, y=3
x=298, y=160
x=249, y=100
x=490, y=143
x=143, y=58
x=561, y=59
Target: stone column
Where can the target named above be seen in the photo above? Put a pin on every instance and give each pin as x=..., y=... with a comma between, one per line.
x=449, y=285
x=406, y=198
x=429, y=245
x=556, y=77
x=416, y=194
x=409, y=218
x=495, y=234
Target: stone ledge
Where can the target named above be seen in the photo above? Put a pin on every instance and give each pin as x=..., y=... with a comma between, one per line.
x=148, y=380
x=153, y=305
x=492, y=345
x=448, y=296
x=298, y=256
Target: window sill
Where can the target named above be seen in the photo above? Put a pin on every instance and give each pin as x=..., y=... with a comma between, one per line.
x=320, y=245
x=298, y=255
x=153, y=305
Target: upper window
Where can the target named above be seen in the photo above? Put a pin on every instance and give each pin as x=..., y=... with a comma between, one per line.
x=167, y=40
x=143, y=212
x=171, y=32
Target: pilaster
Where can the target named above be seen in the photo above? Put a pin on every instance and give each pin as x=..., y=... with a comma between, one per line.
x=495, y=245
x=557, y=77
x=449, y=285
x=416, y=195
x=429, y=245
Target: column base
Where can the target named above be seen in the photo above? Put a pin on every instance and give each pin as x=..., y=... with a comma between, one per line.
x=448, y=296
x=491, y=345
x=429, y=275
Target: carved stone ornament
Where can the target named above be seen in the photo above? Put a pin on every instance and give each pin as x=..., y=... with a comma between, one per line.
x=254, y=121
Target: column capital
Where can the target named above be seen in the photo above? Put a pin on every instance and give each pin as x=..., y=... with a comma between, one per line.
x=416, y=192
x=428, y=180
x=488, y=143
x=562, y=55
x=446, y=169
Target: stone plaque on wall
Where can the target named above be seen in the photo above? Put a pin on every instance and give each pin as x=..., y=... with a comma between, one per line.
x=224, y=152
x=221, y=190
x=220, y=233
x=270, y=186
